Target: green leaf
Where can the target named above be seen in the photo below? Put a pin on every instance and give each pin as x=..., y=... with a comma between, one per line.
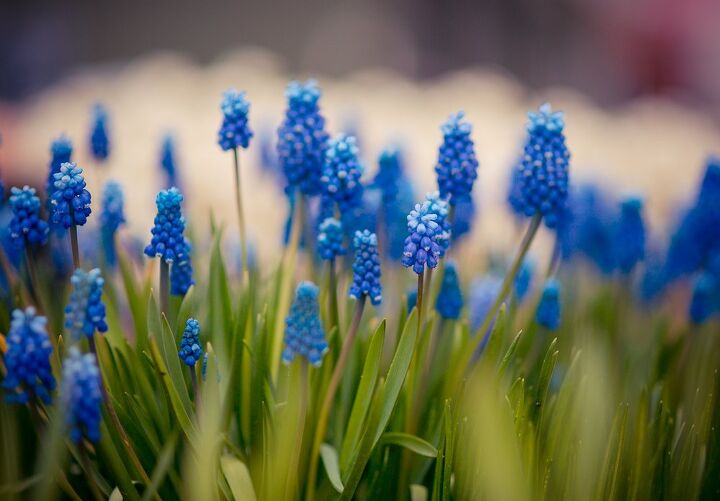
x=546, y=372
x=509, y=354
x=332, y=468
x=411, y=442
x=238, y=478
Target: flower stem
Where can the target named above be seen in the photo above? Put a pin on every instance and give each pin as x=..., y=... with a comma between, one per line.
x=334, y=311
x=194, y=380
x=293, y=473
x=419, y=304
x=164, y=288
x=241, y=214
x=89, y=473
x=17, y=289
x=322, y=419
x=74, y=246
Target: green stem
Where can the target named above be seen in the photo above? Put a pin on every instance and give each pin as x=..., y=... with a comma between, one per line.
x=241, y=214
x=334, y=310
x=196, y=388
x=293, y=473
x=89, y=473
x=74, y=246
x=164, y=287
x=419, y=305
x=322, y=419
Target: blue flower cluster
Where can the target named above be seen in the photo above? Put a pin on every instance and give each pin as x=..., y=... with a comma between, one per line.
x=330, y=239
x=629, y=238
x=70, y=204
x=234, y=131
x=544, y=166
x=450, y=299
x=168, y=241
x=302, y=139
x=523, y=279
x=26, y=225
x=168, y=162
x=366, y=268
x=464, y=218
x=548, y=311
x=85, y=311
x=82, y=395
x=99, y=141
x=440, y=207
x=390, y=174
x=428, y=235
x=190, y=349
x=60, y=152
x=514, y=195
x=181, y=273
x=112, y=216
x=457, y=164
x=341, y=174
x=304, y=334
x=27, y=359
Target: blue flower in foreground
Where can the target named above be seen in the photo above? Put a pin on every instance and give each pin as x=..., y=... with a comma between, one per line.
x=440, y=207
x=112, y=216
x=390, y=174
x=483, y=292
x=168, y=161
x=85, y=312
x=181, y=273
x=330, y=239
x=341, y=174
x=234, y=131
x=167, y=240
x=427, y=239
x=190, y=349
x=82, y=395
x=61, y=152
x=99, y=141
x=26, y=225
x=304, y=334
x=366, y=268
x=523, y=279
x=70, y=204
x=544, y=166
x=302, y=139
x=450, y=299
x=705, y=300
x=27, y=359
x=548, y=312
x=630, y=235
x=457, y=165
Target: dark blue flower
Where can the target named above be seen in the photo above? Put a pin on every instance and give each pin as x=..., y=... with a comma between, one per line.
x=523, y=279
x=26, y=225
x=190, y=349
x=629, y=241
x=304, y=334
x=168, y=241
x=394, y=221
x=168, y=161
x=390, y=174
x=82, y=395
x=705, y=301
x=302, y=139
x=99, y=141
x=70, y=204
x=457, y=165
x=234, y=131
x=366, y=268
x=548, y=311
x=450, y=299
x=440, y=207
x=544, y=166
x=463, y=220
x=181, y=273
x=85, y=311
x=428, y=235
x=27, y=359
x=112, y=216
x=330, y=239
x=61, y=152
x=341, y=174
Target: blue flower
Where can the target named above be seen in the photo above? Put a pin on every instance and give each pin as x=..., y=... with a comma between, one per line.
x=27, y=359
x=629, y=242
x=394, y=221
x=544, y=166
x=483, y=292
x=463, y=220
x=99, y=142
x=428, y=235
x=167, y=240
x=341, y=174
x=450, y=299
x=234, y=131
x=304, y=334
x=302, y=139
x=705, y=301
x=330, y=239
x=190, y=349
x=82, y=395
x=85, y=311
x=26, y=225
x=523, y=279
x=61, y=152
x=514, y=196
x=70, y=204
x=390, y=174
x=440, y=207
x=548, y=312
x=366, y=268
x=457, y=165
x=181, y=273
x=112, y=216
x=168, y=162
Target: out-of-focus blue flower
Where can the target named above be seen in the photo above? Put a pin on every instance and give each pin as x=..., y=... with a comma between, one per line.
x=705, y=301
x=60, y=152
x=394, y=218
x=523, y=279
x=234, y=131
x=85, y=311
x=366, y=268
x=190, y=349
x=27, y=359
x=168, y=161
x=181, y=273
x=450, y=299
x=304, y=334
x=364, y=216
x=483, y=292
x=515, y=197
x=99, y=141
x=411, y=299
x=26, y=225
x=548, y=312
x=70, y=204
x=302, y=139
x=428, y=235
x=630, y=235
x=341, y=174
x=81, y=395
x=167, y=240
x=457, y=165
x=463, y=219
x=390, y=174
x=330, y=239
x=112, y=216
x=544, y=166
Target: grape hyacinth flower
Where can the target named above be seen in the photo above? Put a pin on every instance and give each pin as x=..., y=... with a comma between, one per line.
x=514, y=196
x=112, y=216
x=99, y=141
x=167, y=240
x=450, y=299
x=629, y=239
x=70, y=200
x=82, y=395
x=427, y=239
x=168, y=161
x=548, y=312
x=190, y=348
x=302, y=139
x=390, y=174
x=457, y=165
x=523, y=280
x=341, y=174
x=366, y=268
x=304, y=334
x=462, y=219
x=705, y=301
x=483, y=292
x=440, y=207
x=85, y=311
x=61, y=151
x=330, y=239
x=181, y=273
x=26, y=225
x=544, y=166
x=234, y=132
x=27, y=359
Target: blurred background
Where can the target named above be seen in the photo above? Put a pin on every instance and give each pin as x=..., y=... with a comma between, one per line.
x=639, y=81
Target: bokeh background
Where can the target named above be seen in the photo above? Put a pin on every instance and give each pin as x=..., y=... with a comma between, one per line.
x=639, y=82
